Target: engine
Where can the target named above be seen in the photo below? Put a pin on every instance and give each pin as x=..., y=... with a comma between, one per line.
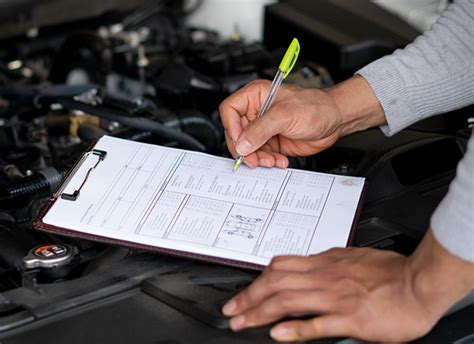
x=144, y=75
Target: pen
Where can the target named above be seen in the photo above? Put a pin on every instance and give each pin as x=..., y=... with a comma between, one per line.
x=286, y=65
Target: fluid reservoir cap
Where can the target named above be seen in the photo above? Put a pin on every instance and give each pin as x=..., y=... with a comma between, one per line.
x=49, y=256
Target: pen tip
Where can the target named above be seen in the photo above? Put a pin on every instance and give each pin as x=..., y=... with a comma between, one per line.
x=237, y=163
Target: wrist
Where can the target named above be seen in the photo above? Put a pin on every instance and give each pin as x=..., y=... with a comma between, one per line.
x=437, y=278
x=357, y=105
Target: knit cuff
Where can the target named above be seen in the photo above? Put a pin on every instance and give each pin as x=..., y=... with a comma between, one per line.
x=389, y=88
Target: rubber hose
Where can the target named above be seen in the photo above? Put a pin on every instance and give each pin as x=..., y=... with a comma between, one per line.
x=134, y=135
x=21, y=192
x=202, y=128
x=199, y=127
x=141, y=123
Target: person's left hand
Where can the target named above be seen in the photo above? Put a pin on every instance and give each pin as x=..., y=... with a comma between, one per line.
x=353, y=292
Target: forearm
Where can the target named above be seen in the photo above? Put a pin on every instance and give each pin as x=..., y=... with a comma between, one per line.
x=453, y=220
x=438, y=274
x=357, y=104
x=432, y=75
x=438, y=278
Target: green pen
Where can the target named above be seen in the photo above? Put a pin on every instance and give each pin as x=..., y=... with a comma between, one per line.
x=286, y=65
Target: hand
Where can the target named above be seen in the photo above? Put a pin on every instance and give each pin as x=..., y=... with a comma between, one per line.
x=354, y=292
x=300, y=122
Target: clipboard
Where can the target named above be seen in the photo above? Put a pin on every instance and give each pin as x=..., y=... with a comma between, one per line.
x=99, y=156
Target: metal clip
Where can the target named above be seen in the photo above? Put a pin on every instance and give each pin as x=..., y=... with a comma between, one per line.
x=73, y=196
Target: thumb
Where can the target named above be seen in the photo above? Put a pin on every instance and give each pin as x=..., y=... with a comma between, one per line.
x=258, y=132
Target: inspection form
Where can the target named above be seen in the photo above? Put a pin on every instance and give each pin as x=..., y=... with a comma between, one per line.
x=194, y=203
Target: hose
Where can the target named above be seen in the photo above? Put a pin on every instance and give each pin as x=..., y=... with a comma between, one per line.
x=140, y=123
x=200, y=127
x=63, y=95
x=195, y=125
x=134, y=135
x=21, y=192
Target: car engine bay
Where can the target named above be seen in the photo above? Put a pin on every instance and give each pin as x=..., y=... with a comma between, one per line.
x=140, y=73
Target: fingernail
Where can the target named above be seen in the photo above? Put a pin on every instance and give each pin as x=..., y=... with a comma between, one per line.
x=229, y=308
x=237, y=322
x=280, y=333
x=281, y=164
x=264, y=163
x=243, y=147
x=248, y=164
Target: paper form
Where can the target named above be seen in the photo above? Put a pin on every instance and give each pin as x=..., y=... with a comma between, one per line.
x=194, y=202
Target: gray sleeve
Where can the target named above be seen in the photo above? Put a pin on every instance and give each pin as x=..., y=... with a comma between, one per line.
x=432, y=75
x=435, y=74
x=453, y=221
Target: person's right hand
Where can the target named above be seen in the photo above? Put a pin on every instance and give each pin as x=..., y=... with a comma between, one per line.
x=300, y=122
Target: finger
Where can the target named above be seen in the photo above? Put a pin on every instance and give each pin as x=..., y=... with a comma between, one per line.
x=273, y=145
x=265, y=159
x=243, y=103
x=230, y=144
x=281, y=161
x=267, y=148
x=259, y=131
x=282, y=304
x=319, y=327
x=292, y=263
x=250, y=160
x=268, y=158
x=305, y=263
x=244, y=121
x=231, y=122
x=268, y=284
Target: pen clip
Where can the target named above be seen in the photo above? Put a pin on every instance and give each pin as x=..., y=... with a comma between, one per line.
x=290, y=57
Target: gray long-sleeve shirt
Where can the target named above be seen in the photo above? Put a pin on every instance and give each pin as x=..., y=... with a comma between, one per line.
x=433, y=75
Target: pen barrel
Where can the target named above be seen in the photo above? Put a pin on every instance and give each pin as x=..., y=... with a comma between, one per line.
x=276, y=83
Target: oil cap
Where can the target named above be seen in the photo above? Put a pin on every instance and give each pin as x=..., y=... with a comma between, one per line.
x=50, y=256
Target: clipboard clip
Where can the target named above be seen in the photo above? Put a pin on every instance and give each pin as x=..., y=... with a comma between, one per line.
x=75, y=195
